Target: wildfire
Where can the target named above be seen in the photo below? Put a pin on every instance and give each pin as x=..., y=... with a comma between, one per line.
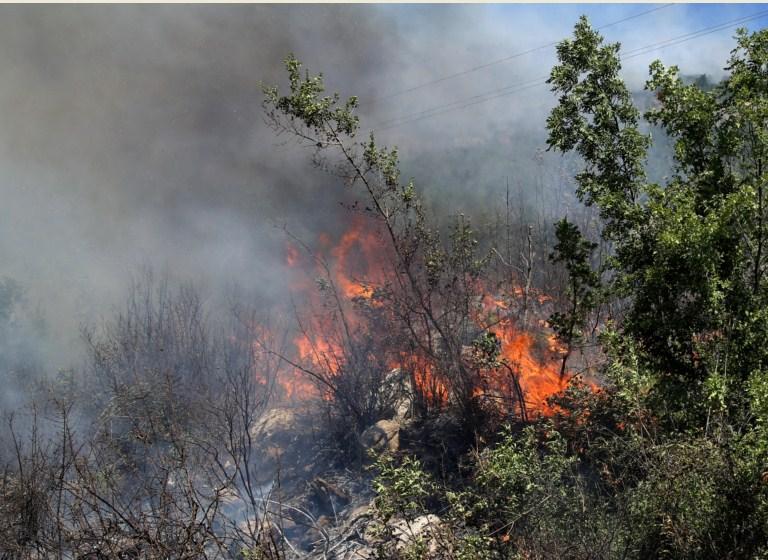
x=539, y=380
x=429, y=385
x=292, y=255
x=358, y=254
x=319, y=352
x=352, y=267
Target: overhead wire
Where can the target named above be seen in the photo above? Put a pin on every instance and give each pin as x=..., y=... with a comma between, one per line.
x=508, y=58
x=536, y=82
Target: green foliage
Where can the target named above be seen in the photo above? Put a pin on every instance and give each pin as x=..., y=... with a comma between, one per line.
x=689, y=255
x=521, y=478
x=486, y=351
x=401, y=489
x=255, y=554
x=598, y=481
x=596, y=118
x=708, y=235
x=680, y=508
x=758, y=391
x=321, y=114
x=575, y=253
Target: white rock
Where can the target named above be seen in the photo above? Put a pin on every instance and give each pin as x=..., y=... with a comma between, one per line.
x=384, y=435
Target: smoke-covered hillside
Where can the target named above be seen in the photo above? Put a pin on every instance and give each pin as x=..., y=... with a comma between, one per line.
x=134, y=135
x=501, y=296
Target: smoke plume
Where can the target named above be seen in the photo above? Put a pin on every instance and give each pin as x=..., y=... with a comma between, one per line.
x=133, y=135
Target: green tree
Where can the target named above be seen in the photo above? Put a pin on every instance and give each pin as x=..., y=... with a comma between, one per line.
x=575, y=253
x=689, y=256
x=595, y=117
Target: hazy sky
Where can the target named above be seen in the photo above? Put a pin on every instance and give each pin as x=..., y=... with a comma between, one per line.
x=134, y=134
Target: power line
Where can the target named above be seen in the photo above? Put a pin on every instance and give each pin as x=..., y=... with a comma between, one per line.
x=424, y=113
x=692, y=35
x=508, y=58
x=516, y=88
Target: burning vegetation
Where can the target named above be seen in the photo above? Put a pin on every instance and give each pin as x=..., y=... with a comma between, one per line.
x=346, y=290
x=444, y=393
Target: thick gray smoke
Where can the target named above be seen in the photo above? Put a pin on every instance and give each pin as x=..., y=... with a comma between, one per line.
x=134, y=135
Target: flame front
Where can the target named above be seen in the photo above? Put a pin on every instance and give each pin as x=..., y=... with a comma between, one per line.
x=351, y=269
x=358, y=256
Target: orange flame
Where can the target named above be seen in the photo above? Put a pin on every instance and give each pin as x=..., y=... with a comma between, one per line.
x=292, y=255
x=356, y=264
x=358, y=255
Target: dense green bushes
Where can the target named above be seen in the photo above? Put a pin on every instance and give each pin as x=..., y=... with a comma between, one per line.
x=565, y=489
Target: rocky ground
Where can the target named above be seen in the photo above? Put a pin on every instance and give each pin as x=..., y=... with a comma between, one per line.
x=318, y=508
